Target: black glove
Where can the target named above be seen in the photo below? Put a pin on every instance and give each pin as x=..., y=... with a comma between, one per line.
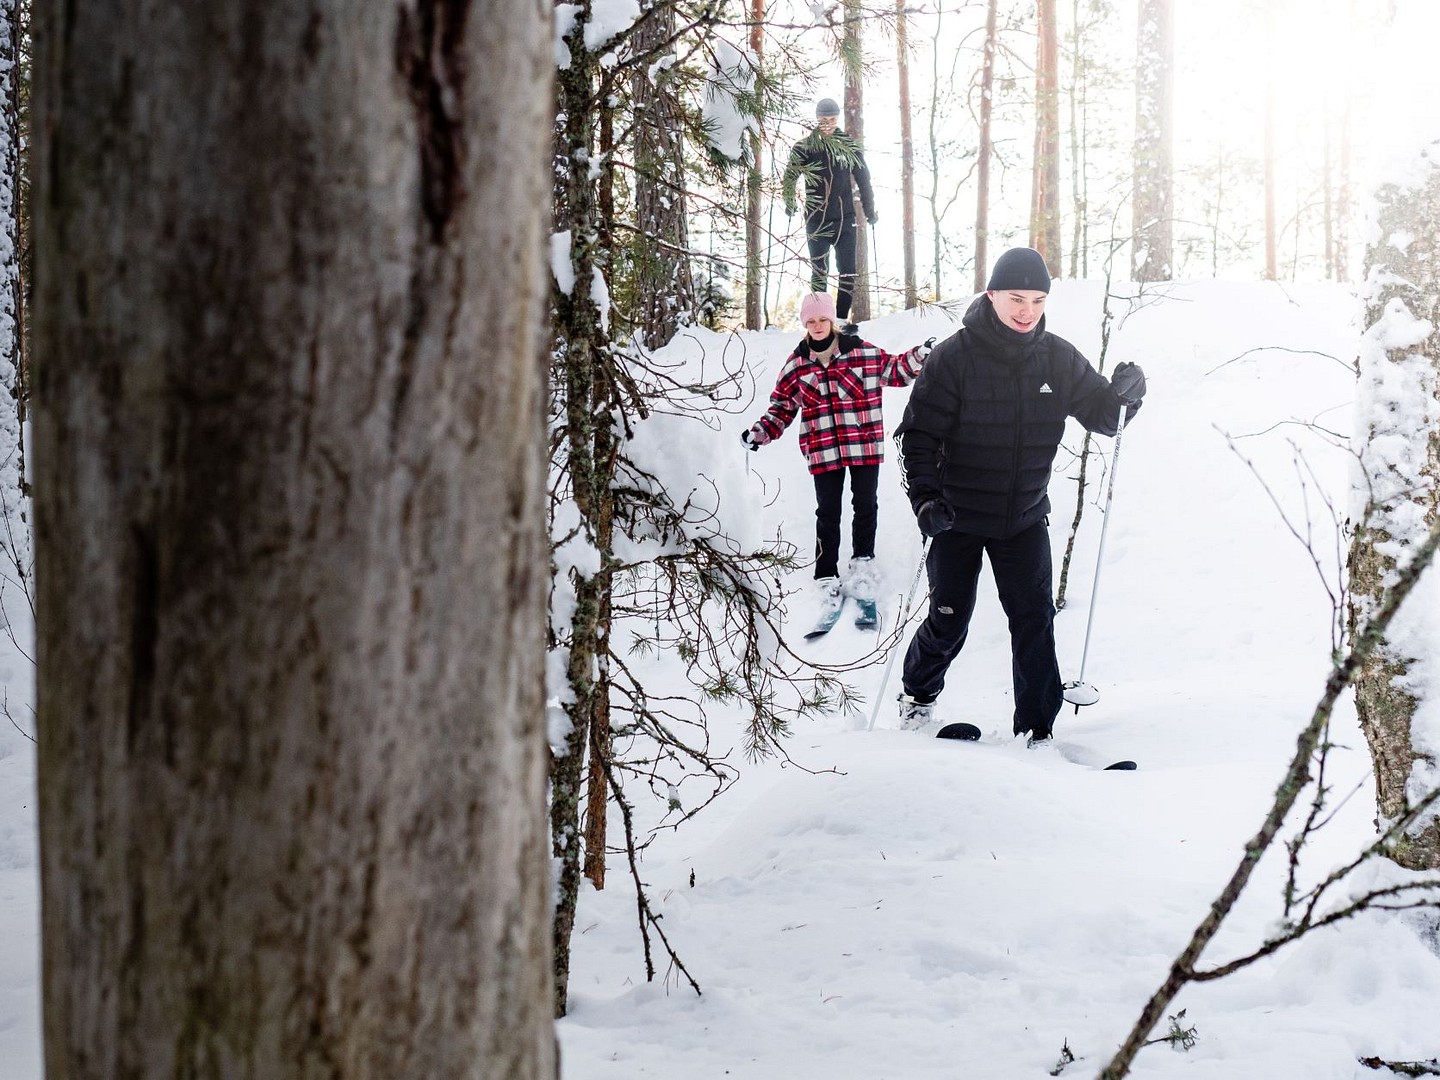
x=749, y=440
x=872, y=217
x=926, y=346
x=789, y=211
x=1128, y=382
x=935, y=517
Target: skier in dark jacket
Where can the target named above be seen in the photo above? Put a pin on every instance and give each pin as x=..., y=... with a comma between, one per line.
x=978, y=441
x=833, y=168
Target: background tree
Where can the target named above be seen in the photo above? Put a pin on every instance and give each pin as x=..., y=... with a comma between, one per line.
x=665, y=295
x=987, y=147
x=1045, y=186
x=1399, y=437
x=15, y=547
x=852, y=54
x=1268, y=153
x=907, y=153
x=1152, y=204
x=754, y=241
x=289, y=480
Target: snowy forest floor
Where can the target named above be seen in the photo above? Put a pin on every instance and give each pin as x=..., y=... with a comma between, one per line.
x=901, y=908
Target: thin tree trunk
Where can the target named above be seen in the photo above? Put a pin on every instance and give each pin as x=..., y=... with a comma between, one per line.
x=15, y=546
x=584, y=382
x=288, y=431
x=664, y=284
x=907, y=153
x=1342, y=196
x=853, y=50
x=933, y=130
x=1045, y=187
x=1153, y=187
x=1077, y=143
x=986, y=149
x=754, y=316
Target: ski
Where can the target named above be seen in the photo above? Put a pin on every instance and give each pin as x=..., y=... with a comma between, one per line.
x=826, y=622
x=962, y=732
x=868, y=617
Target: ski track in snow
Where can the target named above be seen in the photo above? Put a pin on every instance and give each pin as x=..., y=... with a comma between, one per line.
x=914, y=908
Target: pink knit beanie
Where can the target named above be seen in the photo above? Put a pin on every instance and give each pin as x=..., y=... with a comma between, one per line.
x=817, y=305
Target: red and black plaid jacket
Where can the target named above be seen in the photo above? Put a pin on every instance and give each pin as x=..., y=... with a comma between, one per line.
x=838, y=403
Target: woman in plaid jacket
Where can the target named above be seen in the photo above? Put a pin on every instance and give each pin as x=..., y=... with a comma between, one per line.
x=832, y=381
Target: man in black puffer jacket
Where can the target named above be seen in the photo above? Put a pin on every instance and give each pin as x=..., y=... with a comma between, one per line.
x=978, y=442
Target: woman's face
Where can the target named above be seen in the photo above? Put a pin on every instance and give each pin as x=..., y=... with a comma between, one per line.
x=818, y=327
x=1019, y=309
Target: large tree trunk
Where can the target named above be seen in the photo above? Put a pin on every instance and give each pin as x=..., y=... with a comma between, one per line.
x=1399, y=373
x=986, y=150
x=1045, y=188
x=1153, y=186
x=290, y=266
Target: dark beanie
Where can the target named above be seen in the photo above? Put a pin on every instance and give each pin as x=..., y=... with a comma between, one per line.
x=1020, y=268
x=827, y=107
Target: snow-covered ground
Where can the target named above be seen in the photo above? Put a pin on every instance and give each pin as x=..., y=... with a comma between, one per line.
x=892, y=906
x=911, y=908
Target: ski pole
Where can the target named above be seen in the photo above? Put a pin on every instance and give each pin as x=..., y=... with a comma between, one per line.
x=1078, y=693
x=904, y=619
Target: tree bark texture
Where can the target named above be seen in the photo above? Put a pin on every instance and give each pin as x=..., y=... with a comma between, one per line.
x=1402, y=469
x=290, y=281
x=584, y=382
x=1152, y=202
x=1045, y=188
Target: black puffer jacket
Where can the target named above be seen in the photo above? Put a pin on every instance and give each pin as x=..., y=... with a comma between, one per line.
x=987, y=415
x=830, y=164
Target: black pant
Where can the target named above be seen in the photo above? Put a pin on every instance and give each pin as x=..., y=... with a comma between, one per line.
x=829, y=486
x=1022, y=569
x=822, y=236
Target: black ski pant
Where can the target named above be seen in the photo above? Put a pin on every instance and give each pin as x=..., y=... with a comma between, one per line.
x=829, y=489
x=1022, y=568
x=839, y=234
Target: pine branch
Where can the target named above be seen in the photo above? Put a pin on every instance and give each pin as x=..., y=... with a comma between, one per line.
x=1182, y=970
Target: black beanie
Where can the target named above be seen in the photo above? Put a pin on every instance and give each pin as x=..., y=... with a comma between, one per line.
x=1020, y=268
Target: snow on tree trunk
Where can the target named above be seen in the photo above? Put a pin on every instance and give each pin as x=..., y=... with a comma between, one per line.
x=14, y=502
x=1397, y=499
x=290, y=542
x=1153, y=189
